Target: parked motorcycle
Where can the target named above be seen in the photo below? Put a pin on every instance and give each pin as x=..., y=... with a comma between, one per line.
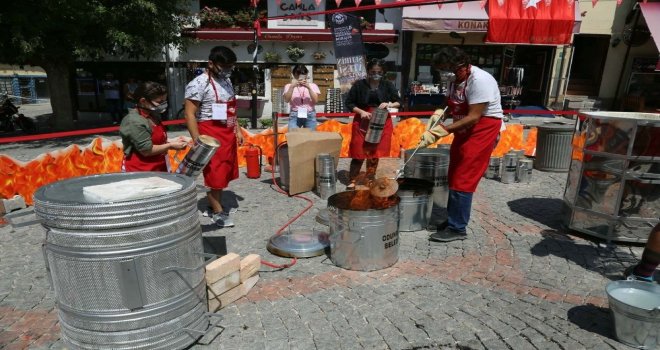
x=10, y=119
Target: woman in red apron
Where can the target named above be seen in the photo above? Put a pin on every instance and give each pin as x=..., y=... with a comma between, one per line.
x=210, y=109
x=363, y=99
x=142, y=132
x=474, y=103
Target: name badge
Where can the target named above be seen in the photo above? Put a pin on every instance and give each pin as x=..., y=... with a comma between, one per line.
x=302, y=112
x=219, y=111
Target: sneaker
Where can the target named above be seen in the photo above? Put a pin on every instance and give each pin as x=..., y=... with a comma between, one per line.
x=630, y=275
x=436, y=226
x=222, y=220
x=447, y=235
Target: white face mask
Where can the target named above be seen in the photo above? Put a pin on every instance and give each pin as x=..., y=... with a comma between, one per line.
x=376, y=77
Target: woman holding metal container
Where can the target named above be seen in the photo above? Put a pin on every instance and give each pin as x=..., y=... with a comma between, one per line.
x=369, y=99
x=142, y=132
x=474, y=103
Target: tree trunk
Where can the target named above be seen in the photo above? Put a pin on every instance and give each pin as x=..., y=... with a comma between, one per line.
x=61, y=98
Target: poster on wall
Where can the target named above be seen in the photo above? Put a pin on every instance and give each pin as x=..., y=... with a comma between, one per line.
x=349, y=50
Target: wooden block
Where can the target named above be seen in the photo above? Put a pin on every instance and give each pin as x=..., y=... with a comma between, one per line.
x=249, y=266
x=224, y=284
x=222, y=267
x=233, y=294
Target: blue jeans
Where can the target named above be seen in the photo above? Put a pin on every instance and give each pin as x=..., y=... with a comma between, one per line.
x=309, y=122
x=459, y=206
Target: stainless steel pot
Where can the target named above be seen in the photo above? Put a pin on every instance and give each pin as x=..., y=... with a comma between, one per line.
x=509, y=168
x=430, y=164
x=376, y=125
x=198, y=156
x=326, y=176
x=416, y=204
x=494, y=165
x=363, y=240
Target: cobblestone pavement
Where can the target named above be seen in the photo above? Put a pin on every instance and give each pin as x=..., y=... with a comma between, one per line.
x=519, y=282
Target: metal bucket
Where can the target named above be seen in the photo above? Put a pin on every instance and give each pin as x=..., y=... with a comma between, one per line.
x=509, y=168
x=198, y=156
x=635, y=308
x=416, y=204
x=376, y=125
x=126, y=274
x=430, y=164
x=524, y=173
x=363, y=240
x=326, y=176
x=493, y=171
x=283, y=163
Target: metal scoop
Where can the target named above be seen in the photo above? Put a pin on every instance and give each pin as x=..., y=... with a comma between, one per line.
x=399, y=172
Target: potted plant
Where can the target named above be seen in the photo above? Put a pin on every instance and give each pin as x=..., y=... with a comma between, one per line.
x=295, y=52
x=271, y=57
x=364, y=24
x=212, y=17
x=319, y=55
x=243, y=18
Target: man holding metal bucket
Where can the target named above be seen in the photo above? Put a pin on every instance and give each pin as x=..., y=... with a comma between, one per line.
x=474, y=102
x=210, y=109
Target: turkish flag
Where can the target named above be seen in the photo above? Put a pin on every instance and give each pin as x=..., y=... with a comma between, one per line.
x=548, y=22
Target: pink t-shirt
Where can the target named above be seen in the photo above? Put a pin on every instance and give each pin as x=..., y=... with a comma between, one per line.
x=301, y=96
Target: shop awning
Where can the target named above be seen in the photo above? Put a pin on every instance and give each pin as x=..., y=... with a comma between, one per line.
x=288, y=35
x=651, y=11
x=471, y=17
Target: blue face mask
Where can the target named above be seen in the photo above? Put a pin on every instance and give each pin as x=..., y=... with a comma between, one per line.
x=223, y=73
x=376, y=77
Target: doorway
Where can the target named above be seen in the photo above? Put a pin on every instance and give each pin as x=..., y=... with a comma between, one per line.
x=537, y=63
x=589, y=54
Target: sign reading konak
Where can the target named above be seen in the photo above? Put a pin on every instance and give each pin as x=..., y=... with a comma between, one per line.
x=293, y=7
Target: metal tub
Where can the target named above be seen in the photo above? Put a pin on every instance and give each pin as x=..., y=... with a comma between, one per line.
x=128, y=274
x=635, y=307
x=416, y=204
x=430, y=164
x=363, y=240
x=613, y=187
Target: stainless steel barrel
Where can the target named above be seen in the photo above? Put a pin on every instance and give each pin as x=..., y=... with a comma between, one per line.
x=524, y=173
x=326, y=176
x=493, y=170
x=416, y=204
x=430, y=164
x=509, y=168
x=127, y=274
x=283, y=163
x=613, y=186
x=376, y=125
x=553, y=147
x=198, y=156
x=363, y=240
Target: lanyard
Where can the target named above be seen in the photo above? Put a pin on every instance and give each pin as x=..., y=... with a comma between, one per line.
x=301, y=96
x=215, y=91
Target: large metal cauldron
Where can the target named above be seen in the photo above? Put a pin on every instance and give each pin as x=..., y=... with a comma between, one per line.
x=430, y=164
x=128, y=274
x=613, y=187
x=363, y=240
x=416, y=204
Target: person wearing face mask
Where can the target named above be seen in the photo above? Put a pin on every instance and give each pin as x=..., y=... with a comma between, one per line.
x=364, y=97
x=142, y=132
x=474, y=103
x=302, y=97
x=210, y=109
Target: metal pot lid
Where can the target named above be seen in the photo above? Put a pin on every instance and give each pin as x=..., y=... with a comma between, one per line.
x=383, y=187
x=303, y=243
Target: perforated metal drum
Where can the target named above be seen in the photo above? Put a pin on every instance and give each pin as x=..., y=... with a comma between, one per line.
x=126, y=274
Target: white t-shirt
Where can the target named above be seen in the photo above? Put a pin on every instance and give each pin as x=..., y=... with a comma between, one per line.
x=481, y=88
x=200, y=89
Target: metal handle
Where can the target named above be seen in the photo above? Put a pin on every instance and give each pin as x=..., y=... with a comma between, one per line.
x=198, y=334
x=22, y=213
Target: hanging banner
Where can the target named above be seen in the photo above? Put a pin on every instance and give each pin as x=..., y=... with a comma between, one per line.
x=548, y=22
x=349, y=50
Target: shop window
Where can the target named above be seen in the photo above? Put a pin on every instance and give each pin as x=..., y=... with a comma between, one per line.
x=369, y=16
x=486, y=57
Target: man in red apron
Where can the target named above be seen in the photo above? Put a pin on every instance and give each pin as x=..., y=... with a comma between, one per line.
x=474, y=103
x=210, y=109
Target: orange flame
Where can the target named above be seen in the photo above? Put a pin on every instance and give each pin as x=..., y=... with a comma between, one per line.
x=105, y=157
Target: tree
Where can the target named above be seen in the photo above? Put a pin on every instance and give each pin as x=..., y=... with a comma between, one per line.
x=54, y=34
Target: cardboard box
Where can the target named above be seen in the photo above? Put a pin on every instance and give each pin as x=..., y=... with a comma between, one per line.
x=303, y=146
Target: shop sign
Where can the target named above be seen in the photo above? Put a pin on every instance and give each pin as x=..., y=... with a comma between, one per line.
x=296, y=7
x=465, y=25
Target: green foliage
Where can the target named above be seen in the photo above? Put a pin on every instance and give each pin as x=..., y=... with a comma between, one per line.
x=213, y=17
x=243, y=122
x=272, y=57
x=244, y=17
x=295, y=52
x=266, y=123
x=41, y=32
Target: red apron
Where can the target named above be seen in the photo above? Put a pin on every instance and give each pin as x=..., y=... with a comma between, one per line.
x=137, y=162
x=223, y=167
x=472, y=147
x=360, y=149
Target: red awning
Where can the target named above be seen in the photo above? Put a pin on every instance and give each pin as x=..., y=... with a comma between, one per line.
x=651, y=11
x=545, y=22
x=323, y=35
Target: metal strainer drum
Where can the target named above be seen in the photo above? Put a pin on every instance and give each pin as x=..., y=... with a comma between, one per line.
x=126, y=274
